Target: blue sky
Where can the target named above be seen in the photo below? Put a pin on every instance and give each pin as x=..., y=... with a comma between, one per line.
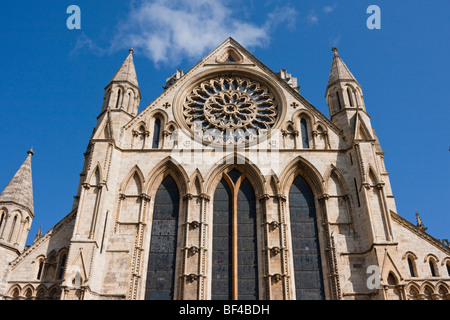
x=53, y=79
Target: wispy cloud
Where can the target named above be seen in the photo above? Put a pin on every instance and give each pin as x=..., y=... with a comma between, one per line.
x=169, y=31
x=85, y=43
x=329, y=9
x=312, y=17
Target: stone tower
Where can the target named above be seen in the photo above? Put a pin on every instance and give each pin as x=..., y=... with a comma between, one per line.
x=16, y=216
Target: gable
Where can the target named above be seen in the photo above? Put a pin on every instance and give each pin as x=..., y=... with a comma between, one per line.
x=231, y=60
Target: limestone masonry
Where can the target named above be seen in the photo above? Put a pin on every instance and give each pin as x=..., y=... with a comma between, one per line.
x=230, y=185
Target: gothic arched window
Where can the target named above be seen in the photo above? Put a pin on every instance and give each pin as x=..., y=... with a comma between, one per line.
x=13, y=226
x=234, y=254
x=40, y=269
x=2, y=218
x=411, y=267
x=350, y=99
x=62, y=265
x=156, y=134
x=304, y=131
x=163, y=243
x=338, y=97
x=119, y=93
x=432, y=264
x=305, y=242
x=448, y=268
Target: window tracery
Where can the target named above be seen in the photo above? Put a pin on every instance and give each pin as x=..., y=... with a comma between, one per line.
x=230, y=110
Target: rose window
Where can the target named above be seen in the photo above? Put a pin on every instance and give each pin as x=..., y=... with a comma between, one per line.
x=230, y=110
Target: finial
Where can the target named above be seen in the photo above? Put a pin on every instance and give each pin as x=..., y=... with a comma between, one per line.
x=334, y=49
x=131, y=51
x=30, y=152
x=419, y=222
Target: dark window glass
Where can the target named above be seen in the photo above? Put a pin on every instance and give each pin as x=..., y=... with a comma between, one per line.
x=230, y=59
x=12, y=228
x=222, y=250
x=234, y=175
x=304, y=129
x=156, y=134
x=1, y=221
x=305, y=244
x=161, y=264
x=350, y=100
x=61, y=268
x=448, y=268
x=41, y=266
x=339, y=100
x=118, y=98
x=433, y=272
x=247, y=242
x=411, y=267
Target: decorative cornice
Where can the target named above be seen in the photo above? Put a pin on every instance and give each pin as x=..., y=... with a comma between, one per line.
x=42, y=239
x=419, y=232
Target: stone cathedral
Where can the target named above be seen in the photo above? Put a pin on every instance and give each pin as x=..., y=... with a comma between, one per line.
x=229, y=186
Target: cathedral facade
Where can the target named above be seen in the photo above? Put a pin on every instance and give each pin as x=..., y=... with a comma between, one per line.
x=229, y=186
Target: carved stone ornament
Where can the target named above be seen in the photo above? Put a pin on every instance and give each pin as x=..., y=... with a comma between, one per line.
x=230, y=110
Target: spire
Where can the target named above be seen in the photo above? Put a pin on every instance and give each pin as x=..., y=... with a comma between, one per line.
x=20, y=189
x=339, y=70
x=127, y=71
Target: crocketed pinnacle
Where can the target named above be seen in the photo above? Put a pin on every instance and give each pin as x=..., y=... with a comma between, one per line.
x=127, y=71
x=20, y=189
x=339, y=70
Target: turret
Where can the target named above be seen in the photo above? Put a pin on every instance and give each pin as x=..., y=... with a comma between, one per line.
x=122, y=92
x=345, y=102
x=17, y=209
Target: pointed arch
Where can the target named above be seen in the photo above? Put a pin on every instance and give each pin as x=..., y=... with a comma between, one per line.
x=372, y=176
x=307, y=170
x=333, y=173
x=134, y=177
x=14, y=291
x=235, y=218
x=165, y=167
x=305, y=121
x=229, y=55
x=229, y=162
x=272, y=185
x=95, y=177
x=164, y=242
x=197, y=181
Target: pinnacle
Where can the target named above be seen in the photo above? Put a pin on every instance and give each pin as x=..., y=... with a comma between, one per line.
x=20, y=189
x=127, y=71
x=339, y=71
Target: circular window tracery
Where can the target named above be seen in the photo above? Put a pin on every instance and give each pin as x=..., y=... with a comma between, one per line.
x=230, y=110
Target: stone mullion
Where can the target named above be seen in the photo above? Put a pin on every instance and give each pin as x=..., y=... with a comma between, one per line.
x=385, y=210
x=96, y=209
x=284, y=244
x=203, y=240
x=196, y=248
x=330, y=250
x=266, y=251
x=138, y=248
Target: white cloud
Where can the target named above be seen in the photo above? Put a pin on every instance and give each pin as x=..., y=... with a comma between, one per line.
x=329, y=9
x=313, y=17
x=169, y=31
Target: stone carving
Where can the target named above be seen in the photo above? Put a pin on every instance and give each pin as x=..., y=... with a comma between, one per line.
x=230, y=110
